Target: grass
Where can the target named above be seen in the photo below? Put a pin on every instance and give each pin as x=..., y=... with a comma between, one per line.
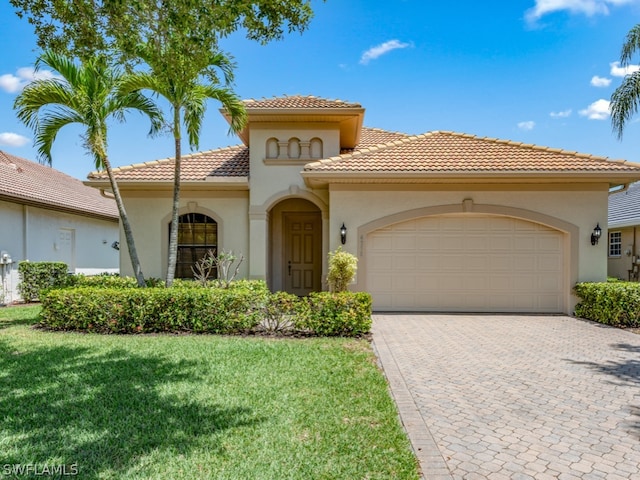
x=193, y=407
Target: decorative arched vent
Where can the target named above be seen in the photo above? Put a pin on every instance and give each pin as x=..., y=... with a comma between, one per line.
x=294, y=148
x=316, y=148
x=272, y=148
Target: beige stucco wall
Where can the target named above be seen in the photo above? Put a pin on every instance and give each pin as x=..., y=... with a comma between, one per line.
x=150, y=215
x=274, y=180
x=32, y=233
x=579, y=205
x=619, y=266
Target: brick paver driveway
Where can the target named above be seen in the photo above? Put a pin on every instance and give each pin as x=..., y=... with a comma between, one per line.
x=515, y=397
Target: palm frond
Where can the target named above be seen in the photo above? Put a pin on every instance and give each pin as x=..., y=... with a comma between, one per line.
x=631, y=45
x=47, y=132
x=625, y=101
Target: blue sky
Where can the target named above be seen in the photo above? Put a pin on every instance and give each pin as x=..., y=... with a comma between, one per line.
x=533, y=71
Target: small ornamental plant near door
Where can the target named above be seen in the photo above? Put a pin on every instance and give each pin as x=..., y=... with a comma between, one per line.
x=342, y=270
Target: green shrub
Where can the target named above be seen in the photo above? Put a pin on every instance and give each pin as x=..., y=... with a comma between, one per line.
x=105, y=281
x=611, y=303
x=342, y=270
x=114, y=305
x=279, y=311
x=36, y=277
x=148, y=310
x=336, y=314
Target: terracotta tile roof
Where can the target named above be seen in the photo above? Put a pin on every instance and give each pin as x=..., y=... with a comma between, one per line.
x=458, y=153
x=223, y=162
x=624, y=207
x=298, y=101
x=29, y=182
x=370, y=137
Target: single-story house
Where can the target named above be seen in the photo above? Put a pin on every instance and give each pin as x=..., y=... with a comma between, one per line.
x=441, y=221
x=624, y=233
x=46, y=215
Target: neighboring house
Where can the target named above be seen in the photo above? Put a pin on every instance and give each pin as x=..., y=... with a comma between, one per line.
x=439, y=222
x=46, y=215
x=624, y=233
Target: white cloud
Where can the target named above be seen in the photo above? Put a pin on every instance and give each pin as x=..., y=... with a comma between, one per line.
x=25, y=75
x=526, y=126
x=13, y=139
x=379, y=50
x=562, y=114
x=598, y=110
x=597, y=81
x=586, y=7
x=618, y=71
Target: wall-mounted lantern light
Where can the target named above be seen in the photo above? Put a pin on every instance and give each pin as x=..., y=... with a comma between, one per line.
x=115, y=245
x=595, y=236
x=343, y=234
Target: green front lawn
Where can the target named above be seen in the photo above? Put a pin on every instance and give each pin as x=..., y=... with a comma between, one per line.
x=200, y=407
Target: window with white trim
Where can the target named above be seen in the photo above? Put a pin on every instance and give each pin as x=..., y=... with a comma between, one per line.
x=615, y=244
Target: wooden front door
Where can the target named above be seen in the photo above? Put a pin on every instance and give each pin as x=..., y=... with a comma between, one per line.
x=302, y=252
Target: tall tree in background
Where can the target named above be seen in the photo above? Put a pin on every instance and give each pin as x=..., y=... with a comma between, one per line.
x=178, y=41
x=87, y=95
x=626, y=98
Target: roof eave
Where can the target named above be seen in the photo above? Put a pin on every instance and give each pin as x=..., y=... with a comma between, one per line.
x=216, y=182
x=316, y=179
x=57, y=207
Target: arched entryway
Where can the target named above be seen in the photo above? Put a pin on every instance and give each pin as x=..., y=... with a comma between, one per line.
x=295, y=260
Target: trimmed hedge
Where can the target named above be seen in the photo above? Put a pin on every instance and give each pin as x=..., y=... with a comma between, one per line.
x=36, y=277
x=346, y=314
x=151, y=310
x=611, y=303
x=244, y=307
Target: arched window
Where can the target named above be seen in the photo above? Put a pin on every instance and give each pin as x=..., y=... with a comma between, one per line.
x=197, y=234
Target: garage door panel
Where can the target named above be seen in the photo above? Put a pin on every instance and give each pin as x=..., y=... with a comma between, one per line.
x=466, y=263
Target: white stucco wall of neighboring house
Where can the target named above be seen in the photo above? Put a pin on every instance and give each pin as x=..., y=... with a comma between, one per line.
x=150, y=214
x=38, y=234
x=580, y=205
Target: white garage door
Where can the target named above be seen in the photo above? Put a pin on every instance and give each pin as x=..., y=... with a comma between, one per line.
x=466, y=263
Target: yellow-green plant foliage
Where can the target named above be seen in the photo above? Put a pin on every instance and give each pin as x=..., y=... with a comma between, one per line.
x=342, y=270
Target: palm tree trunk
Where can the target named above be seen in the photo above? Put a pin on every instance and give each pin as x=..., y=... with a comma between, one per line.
x=173, y=232
x=126, y=225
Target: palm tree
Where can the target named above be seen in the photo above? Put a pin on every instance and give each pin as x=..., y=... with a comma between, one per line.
x=86, y=95
x=188, y=99
x=626, y=98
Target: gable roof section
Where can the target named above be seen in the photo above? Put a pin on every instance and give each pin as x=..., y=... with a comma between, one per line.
x=27, y=182
x=624, y=207
x=440, y=154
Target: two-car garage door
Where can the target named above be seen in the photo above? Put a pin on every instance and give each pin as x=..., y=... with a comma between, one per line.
x=466, y=263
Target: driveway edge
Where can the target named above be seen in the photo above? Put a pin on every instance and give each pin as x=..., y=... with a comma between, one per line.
x=430, y=459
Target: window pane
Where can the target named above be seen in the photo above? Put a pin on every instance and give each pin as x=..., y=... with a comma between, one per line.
x=197, y=234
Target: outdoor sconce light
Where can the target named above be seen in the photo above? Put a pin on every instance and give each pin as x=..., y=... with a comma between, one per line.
x=115, y=245
x=595, y=236
x=343, y=234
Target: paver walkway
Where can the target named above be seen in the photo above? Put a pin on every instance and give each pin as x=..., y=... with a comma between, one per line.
x=514, y=397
